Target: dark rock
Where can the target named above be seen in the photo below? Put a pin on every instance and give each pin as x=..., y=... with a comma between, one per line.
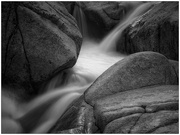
x=157, y=31
x=39, y=39
x=69, y=6
x=144, y=100
x=135, y=71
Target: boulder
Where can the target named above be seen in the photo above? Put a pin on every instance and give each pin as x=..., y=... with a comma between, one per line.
x=135, y=71
x=121, y=107
x=157, y=31
x=39, y=39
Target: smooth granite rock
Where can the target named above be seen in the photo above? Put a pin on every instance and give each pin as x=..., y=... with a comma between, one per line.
x=39, y=39
x=135, y=71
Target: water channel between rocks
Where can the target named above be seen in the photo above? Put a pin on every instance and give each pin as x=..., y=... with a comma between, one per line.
x=95, y=57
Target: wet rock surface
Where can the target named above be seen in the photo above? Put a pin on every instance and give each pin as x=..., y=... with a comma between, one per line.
x=156, y=30
x=40, y=39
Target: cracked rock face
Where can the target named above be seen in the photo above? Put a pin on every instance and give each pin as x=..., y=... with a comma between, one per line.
x=157, y=31
x=136, y=105
x=135, y=71
x=39, y=39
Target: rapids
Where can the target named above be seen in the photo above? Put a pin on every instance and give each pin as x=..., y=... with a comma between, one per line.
x=40, y=114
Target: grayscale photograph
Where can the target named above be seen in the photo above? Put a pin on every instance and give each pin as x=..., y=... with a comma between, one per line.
x=90, y=67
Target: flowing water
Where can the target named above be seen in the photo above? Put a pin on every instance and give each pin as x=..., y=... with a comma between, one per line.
x=109, y=43
x=39, y=115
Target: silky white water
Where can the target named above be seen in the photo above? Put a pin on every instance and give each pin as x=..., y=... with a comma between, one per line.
x=40, y=114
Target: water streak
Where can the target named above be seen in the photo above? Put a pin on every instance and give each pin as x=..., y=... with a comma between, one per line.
x=81, y=20
x=53, y=113
x=109, y=42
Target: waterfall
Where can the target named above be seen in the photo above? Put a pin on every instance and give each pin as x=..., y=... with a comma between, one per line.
x=81, y=20
x=109, y=42
x=40, y=114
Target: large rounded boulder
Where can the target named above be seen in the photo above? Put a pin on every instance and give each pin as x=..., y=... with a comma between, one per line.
x=39, y=39
x=135, y=71
x=156, y=30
